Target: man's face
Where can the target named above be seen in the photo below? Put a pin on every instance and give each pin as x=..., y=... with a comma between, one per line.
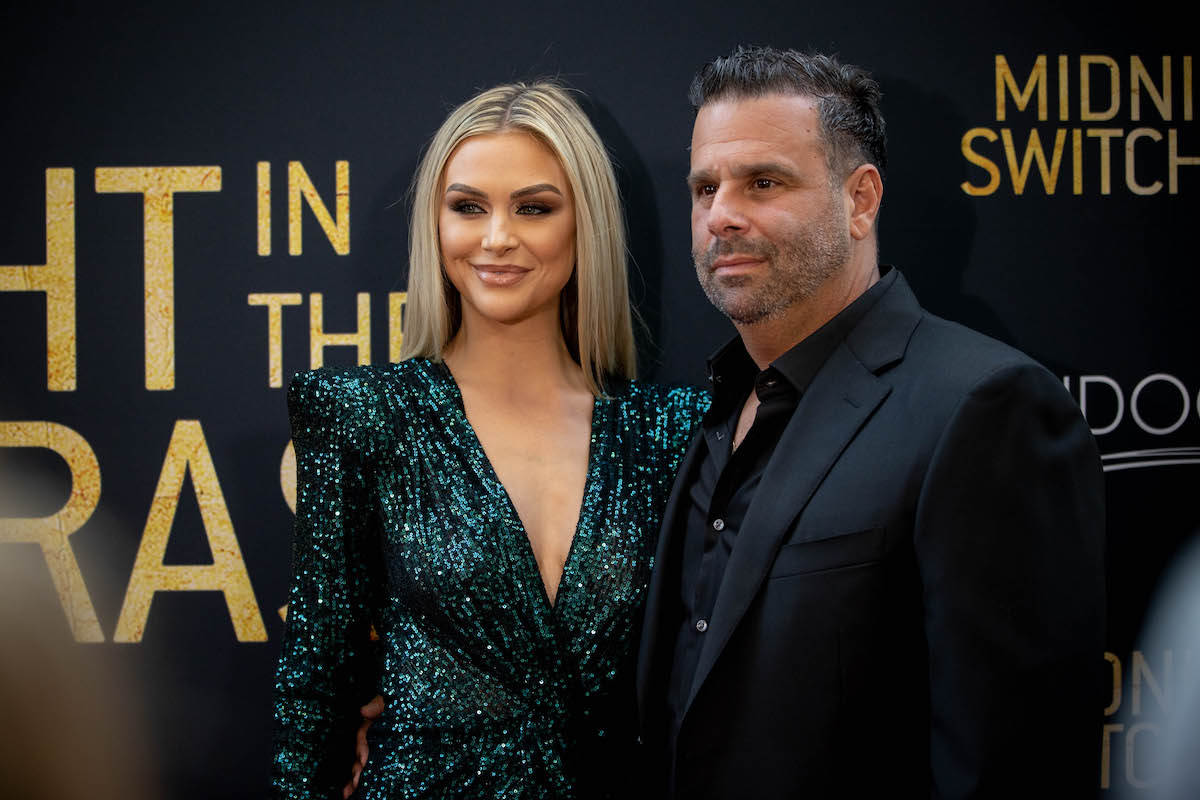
x=769, y=225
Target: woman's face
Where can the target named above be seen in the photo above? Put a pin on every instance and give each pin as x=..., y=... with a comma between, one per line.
x=506, y=227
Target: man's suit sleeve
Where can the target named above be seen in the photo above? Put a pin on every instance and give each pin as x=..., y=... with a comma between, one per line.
x=1009, y=540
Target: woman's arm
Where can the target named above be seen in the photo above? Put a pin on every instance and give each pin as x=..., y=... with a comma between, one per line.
x=324, y=667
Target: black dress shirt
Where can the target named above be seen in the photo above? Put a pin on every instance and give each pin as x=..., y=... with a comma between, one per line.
x=723, y=484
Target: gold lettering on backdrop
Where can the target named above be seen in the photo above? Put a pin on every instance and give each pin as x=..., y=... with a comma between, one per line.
x=188, y=452
x=158, y=186
x=1064, y=94
x=1021, y=97
x=1130, y=164
x=1142, y=676
x=1085, y=88
x=1130, y=745
x=287, y=475
x=1033, y=152
x=1162, y=83
x=287, y=482
x=1115, y=697
x=52, y=533
x=319, y=340
x=275, y=304
x=1187, y=88
x=299, y=185
x=1076, y=161
x=55, y=279
x=1175, y=161
x=1170, y=667
x=1105, y=135
x=396, y=303
x=264, y=208
x=987, y=164
x=1106, y=752
x=1139, y=77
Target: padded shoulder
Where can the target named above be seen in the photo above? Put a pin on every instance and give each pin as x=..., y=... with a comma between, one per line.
x=959, y=358
x=671, y=413
x=337, y=405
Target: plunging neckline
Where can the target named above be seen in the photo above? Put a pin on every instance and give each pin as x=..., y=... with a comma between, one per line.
x=526, y=545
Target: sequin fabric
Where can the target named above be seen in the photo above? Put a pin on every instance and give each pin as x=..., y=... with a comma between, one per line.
x=401, y=523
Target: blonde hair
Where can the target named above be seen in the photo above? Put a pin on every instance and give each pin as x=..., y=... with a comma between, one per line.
x=596, y=318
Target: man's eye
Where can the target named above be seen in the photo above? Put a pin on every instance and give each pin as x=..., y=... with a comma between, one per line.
x=763, y=183
x=706, y=189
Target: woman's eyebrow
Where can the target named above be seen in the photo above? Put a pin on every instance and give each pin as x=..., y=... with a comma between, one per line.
x=536, y=188
x=465, y=189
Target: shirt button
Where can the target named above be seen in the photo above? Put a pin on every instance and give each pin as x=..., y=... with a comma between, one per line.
x=718, y=524
x=701, y=625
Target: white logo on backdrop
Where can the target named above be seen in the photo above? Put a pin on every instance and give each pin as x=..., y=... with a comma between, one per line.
x=1133, y=411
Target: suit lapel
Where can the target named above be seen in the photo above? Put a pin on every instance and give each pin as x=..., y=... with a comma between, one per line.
x=839, y=400
x=660, y=598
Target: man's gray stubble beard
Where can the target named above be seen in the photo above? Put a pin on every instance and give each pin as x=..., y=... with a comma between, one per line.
x=794, y=271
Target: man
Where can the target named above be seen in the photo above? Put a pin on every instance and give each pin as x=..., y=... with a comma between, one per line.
x=881, y=566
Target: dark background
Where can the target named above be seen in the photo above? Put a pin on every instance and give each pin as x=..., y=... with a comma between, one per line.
x=1088, y=285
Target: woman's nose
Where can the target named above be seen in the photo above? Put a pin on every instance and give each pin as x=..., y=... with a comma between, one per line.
x=499, y=238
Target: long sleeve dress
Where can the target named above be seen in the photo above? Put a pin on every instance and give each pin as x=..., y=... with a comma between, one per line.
x=402, y=524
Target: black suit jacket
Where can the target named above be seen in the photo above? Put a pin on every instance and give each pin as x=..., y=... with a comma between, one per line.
x=916, y=600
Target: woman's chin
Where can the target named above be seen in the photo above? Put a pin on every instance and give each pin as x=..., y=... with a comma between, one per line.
x=509, y=311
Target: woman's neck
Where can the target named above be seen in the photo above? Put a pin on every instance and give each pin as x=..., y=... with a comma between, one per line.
x=514, y=360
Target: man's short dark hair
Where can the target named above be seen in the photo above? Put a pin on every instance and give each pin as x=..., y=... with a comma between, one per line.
x=851, y=123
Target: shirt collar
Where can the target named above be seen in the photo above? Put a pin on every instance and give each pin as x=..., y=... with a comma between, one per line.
x=732, y=371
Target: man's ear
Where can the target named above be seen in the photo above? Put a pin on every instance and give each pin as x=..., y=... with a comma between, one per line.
x=864, y=193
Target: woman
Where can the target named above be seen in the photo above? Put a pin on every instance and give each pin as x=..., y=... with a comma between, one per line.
x=491, y=503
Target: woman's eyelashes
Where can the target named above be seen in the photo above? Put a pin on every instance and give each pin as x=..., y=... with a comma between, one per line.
x=469, y=207
x=466, y=207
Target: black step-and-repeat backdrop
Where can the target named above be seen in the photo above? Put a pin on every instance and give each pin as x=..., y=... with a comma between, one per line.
x=199, y=201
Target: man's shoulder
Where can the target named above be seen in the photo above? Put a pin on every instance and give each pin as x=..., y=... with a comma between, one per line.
x=899, y=338
x=965, y=348
x=952, y=360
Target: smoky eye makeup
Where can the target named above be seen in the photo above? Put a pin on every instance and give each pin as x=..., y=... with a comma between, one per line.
x=532, y=201
x=464, y=205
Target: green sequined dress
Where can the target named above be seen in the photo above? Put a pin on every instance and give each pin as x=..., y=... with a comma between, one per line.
x=401, y=523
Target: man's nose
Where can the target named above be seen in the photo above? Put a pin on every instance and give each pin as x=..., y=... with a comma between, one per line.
x=499, y=237
x=726, y=213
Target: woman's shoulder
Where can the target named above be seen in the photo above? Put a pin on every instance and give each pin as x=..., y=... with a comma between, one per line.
x=339, y=398
x=346, y=384
x=664, y=416
x=665, y=397
x=673, y=409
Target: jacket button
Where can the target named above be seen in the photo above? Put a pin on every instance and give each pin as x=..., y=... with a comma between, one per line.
x=701, y=625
